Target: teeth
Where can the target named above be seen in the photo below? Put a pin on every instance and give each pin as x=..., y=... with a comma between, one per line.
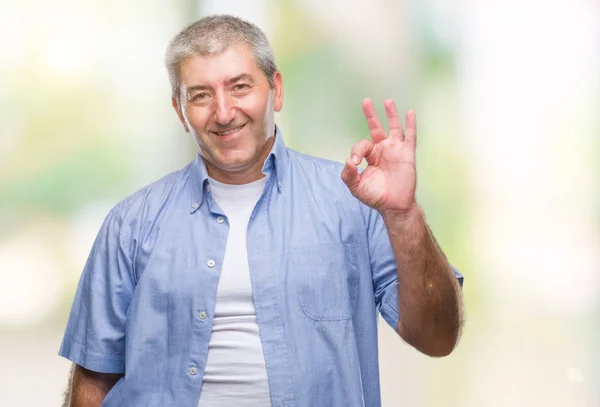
x=225, y=133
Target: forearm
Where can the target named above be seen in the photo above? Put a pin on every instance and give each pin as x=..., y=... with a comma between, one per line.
x=87, y=388
x=430, y=299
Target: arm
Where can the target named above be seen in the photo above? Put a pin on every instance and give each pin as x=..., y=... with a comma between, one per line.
x=87, y=388
x=95, y=333
x=429, y=293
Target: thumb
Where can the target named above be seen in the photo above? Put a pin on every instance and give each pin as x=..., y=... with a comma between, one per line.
x=350, y=175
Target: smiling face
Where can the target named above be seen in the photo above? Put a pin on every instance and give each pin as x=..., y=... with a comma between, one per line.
x=229, y=107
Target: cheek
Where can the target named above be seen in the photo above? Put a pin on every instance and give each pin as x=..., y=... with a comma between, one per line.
x=197, y=118
x=252, y=106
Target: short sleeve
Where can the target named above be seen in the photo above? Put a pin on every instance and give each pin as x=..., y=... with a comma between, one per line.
x=383, y=268
x=95, y=333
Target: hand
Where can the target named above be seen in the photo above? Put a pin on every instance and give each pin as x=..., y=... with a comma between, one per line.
x=389, y=181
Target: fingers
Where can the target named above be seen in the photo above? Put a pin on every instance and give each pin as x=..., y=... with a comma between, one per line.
x=378, y=133
x=350, y=175
x=393, y=120
x=411, y=128
x=362, y=150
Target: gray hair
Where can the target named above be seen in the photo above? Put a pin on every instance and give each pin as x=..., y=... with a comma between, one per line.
x=213, y=35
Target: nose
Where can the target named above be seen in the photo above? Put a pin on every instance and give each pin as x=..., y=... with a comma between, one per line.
x=224, y=109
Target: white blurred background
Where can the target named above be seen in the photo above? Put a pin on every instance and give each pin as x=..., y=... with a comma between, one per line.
x=507, y=100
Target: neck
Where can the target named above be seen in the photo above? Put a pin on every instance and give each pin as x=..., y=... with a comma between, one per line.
x=253, y=172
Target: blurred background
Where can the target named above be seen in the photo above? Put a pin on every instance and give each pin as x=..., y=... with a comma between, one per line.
x=507, y=95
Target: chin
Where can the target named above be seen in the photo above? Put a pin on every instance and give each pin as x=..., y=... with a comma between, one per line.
x=234, y=165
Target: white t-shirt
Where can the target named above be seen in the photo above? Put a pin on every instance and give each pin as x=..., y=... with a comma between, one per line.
x=235, y=373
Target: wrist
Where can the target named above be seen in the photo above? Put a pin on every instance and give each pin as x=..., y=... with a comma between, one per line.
x=407, y=225
x=408, y=215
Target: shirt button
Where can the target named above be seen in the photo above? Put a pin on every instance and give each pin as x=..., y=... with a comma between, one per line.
x=202, y=315
x=211, y=263
x=193, y=370
x=195, y=205
x=220, y=219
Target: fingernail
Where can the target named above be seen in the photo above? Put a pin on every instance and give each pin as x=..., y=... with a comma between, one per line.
x=355, y=159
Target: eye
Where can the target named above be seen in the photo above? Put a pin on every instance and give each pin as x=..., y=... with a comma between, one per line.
x=241, y=87
x=200, y=96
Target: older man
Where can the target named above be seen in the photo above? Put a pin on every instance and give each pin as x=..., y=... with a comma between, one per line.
x=253, y=276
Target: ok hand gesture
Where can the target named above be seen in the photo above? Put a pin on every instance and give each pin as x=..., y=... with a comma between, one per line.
x=389, y=181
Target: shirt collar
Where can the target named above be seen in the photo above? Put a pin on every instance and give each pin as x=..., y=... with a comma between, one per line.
x=277, y=161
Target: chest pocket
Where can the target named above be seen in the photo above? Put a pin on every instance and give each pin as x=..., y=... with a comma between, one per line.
x=326, y=280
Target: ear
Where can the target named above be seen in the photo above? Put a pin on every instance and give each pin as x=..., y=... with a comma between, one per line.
x=278, y=89
x=179, y=114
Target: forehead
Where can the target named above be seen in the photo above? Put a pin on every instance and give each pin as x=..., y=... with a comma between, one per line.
x=217, y=68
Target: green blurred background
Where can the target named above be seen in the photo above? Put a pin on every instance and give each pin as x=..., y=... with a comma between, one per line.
x=507, y=100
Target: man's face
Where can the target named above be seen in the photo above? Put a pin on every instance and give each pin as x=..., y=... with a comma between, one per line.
x=228, y=106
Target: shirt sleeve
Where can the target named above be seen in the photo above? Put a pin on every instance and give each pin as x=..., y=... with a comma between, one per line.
x=384, y=270
x=95, y=333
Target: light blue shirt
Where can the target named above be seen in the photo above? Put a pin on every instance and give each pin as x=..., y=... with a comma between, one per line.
x=321, y=267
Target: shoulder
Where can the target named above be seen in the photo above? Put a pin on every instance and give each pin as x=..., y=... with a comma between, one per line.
x=311, y=162
x=325, y=175
x=320, y=171
x=153, y=195
x=323, y=178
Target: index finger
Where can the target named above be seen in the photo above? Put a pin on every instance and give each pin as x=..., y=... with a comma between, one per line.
x=377, y=132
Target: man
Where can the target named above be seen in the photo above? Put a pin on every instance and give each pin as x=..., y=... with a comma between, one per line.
x=253, y=276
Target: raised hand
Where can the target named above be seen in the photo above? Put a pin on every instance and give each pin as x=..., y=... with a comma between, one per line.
x=389, y=181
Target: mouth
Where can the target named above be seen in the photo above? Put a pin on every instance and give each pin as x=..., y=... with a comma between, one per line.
x=229, y=133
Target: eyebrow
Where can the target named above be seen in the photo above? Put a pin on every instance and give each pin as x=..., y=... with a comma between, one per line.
x=243, y=76
x=240, y=77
